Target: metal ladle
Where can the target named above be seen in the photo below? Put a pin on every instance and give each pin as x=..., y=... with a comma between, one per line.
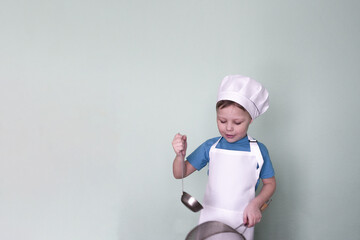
x=189, y=201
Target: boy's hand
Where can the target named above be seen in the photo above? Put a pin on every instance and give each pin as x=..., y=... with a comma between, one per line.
x=252, y=215
x=180, y=145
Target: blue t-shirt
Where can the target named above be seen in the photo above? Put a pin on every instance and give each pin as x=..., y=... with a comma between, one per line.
x=200, y=157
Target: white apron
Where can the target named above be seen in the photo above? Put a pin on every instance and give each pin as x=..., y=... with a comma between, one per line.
x=231, y=185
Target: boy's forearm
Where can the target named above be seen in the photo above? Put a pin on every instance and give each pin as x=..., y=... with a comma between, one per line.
x=178, y=166
x=182, y=167
x=268, y=189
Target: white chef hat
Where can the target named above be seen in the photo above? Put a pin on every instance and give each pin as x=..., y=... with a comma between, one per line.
x=245, y=91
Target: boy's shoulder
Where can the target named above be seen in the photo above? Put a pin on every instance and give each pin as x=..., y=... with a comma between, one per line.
x=262, y=147
x=261, y=144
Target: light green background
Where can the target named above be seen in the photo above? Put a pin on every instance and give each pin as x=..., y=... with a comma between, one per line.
x=92, y=93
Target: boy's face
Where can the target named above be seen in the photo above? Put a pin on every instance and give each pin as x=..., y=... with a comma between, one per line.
x=233, y=123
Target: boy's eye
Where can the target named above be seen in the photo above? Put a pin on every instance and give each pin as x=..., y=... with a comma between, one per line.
x=222, y=121
x=238, y=123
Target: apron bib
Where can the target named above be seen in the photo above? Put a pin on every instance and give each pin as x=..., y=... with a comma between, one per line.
x=231, y=185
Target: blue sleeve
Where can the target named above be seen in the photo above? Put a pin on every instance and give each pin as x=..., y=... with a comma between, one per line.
x=267, y=170
x=200, y=157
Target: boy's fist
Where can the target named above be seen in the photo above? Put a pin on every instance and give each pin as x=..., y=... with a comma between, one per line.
x=180, y=144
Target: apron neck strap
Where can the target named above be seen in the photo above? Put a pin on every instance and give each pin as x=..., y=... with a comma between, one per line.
x=254, y=147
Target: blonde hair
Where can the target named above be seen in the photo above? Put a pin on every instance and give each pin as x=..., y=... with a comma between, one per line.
x=225, y=103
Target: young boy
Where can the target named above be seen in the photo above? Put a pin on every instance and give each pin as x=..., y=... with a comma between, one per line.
x=236, y=161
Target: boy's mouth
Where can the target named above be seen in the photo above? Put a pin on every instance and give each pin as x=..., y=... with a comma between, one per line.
x=229, y=136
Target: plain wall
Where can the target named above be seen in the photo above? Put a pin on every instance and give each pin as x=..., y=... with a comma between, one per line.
x=92, y=93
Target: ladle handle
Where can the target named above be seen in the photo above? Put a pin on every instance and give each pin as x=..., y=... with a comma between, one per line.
x=182, y=177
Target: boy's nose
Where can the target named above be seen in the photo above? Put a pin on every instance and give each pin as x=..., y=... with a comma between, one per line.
x=229, y=127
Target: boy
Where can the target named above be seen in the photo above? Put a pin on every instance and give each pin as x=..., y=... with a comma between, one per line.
x=236, y=161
